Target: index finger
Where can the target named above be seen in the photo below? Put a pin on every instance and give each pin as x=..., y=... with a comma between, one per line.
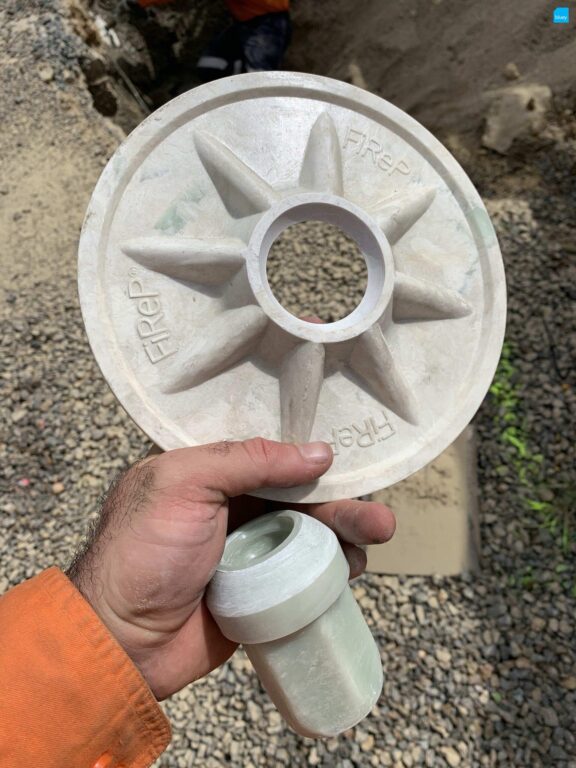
x=354, y=521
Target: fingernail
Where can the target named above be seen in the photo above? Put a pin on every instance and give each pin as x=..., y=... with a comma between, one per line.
x=317, y=453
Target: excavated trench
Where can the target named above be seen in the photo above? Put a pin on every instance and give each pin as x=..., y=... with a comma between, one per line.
x=137, y=59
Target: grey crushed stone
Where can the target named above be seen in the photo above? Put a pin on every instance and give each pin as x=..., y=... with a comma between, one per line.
x=315, y=269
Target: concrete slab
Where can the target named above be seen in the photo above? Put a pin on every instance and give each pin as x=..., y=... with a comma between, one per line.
x=437, y=517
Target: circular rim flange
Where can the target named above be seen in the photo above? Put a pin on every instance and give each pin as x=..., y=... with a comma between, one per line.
x=201, y=100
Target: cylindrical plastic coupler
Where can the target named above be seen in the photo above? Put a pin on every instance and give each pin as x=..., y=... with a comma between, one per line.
x=281, y=589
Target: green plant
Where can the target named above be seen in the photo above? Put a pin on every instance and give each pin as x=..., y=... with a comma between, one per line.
x=497, y=697
x=528, y=467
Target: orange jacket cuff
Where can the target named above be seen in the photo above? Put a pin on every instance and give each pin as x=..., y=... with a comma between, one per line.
x=69, y=694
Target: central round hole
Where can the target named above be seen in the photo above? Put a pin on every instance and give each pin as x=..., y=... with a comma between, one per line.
x=256, y=543
x=317, y=271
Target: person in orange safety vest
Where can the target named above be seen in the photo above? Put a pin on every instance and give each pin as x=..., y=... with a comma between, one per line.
x=255, y=42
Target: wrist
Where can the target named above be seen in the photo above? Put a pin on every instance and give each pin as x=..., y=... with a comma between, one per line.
x=133, y=640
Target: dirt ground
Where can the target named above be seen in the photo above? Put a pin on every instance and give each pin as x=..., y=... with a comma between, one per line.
x=436, y=59
x=486, y=678
x=55, y=69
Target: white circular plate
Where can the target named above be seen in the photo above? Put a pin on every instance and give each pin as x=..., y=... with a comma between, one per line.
x=180, y=316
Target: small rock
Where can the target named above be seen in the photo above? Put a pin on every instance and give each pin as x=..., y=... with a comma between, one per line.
x=517, y=111
x=93, y=67
x=58, y=488
x=569, y=683
x=367, y=603
x=450, y=756
x=91, y=481
x=254, y=711
x=407, y=760
x=443, y=655
x=274, y=718
x=549, y=717
x=313, y=757
x=565, y=627
x=356, y=75
x=367, y=744
x=511, y=71
x=331, y=745
x=46, y=73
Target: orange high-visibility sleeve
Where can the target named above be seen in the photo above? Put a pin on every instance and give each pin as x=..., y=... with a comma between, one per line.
x=248, y=9
x=70, y=697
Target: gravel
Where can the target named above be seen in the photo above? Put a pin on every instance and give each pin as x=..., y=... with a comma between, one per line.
x=314, y=269
x=479, y=671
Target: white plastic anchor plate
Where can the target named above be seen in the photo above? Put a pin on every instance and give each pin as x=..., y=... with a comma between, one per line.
x=187, y=331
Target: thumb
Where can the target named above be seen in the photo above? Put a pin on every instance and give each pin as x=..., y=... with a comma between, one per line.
x=241, y=467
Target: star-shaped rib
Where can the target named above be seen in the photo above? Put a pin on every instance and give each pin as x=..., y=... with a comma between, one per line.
x=236, y=333
x=416, y=299
x=301, y=377
x=186, y=258
x=396, y=215
x=322, y=164
x=216, y=348
x=241, y=189
x=373, y=361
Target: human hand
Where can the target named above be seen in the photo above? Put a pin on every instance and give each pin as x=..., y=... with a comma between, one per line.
x=160, y=537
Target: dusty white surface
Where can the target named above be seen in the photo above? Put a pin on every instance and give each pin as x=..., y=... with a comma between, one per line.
x=182, y=322
x=258, y=600
x=282, y=590
x=327, y=677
